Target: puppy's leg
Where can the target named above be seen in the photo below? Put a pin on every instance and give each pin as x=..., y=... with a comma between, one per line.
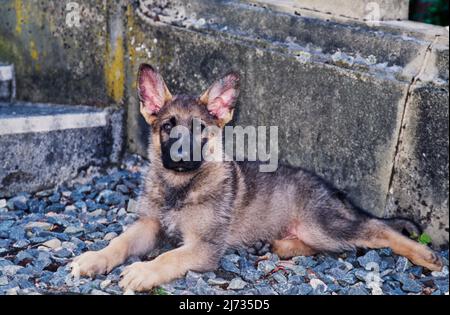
x=288, y=248
x=379, y=235
x=143, y=276
x=137, y=240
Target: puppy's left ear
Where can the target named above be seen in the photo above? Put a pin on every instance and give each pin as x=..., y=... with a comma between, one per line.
x=221, y=97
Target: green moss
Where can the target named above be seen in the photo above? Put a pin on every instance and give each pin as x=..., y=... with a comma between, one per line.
x=10, y=52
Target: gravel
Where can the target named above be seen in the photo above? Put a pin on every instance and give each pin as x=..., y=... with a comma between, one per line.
x=41, y=233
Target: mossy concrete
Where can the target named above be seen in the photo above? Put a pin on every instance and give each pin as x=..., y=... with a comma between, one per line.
x=64, y=51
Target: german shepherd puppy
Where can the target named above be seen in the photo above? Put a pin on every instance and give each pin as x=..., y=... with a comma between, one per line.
x=212, y=206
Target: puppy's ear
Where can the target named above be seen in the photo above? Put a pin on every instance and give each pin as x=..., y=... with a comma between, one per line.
x=153, y=92
x=221, y=97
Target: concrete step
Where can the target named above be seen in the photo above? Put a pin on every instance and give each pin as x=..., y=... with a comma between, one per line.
x=42, y=145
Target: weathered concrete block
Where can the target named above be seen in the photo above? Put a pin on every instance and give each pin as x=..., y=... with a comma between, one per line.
x=420, y=184
x=371, y=10
x=67, y=52
x=44, y=145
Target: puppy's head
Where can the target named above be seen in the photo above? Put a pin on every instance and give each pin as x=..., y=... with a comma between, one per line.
x=177, y=121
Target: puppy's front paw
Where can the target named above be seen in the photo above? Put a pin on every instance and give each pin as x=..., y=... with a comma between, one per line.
x=140, y=276
x=91, y=264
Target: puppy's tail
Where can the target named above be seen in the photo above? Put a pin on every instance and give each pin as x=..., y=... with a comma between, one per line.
x=403, y=225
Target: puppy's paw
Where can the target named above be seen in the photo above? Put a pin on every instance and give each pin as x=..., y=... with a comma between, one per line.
x=140, y=276
x=427, y=258
x=434, y=262
x=91, y=264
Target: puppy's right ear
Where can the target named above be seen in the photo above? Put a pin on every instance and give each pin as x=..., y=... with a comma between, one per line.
x=153, y=92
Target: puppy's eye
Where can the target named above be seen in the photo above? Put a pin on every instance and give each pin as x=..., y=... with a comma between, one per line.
x=167, y=127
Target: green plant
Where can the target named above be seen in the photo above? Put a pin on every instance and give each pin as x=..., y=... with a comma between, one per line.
x=425, y=239
x=430, y=11
x=160, y=291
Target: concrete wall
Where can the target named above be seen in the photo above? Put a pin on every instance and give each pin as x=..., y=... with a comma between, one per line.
x=68, y=52
x=365, y=105
x=363, y=10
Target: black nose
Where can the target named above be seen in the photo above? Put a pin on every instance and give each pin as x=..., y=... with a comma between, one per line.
x=181, y=159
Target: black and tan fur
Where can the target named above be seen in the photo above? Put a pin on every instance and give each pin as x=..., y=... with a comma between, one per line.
x=221, y=205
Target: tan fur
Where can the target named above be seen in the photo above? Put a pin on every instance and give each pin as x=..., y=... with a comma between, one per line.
x=288, y=248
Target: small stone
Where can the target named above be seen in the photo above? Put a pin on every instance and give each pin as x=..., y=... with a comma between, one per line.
x=70, y=208
x=40, y=225
x=132, y=206
x=265, y=289
x=318, y=286
x=18, y=203
x=417, y=271
x=280, y=278
x=361, y=274
x=442, y=285
x=358, y=289
x=23, y=257
x=232, y=258
x=63, y=253
x=122, y=189
x=305, y=261
x=266, y=266
x=74, y=230
x=104, y=284
x=229, y=266
x=98, y=292
x=408, y=284
x=44, y=193
x=3, y=281
x=16, y=233
x=440, y=274
x=209, y=275
x=122, y=212
x=237, y=284
x=2, y=203
x=13, y=291
x=20, y=244
x=84, y=189
x=347, y=279
x=56, y=207
x=56, y=197
x=66, y=193
x=110, y=197
x=81, y=205
x=299, y=270
x=249, y=273
x=402, y=264
x=99, y=245
x=43, y=260
x=217, y=281
x=10, y=270
x=97, y=213
x=305, y=289
x=70, y=246
x=387, y=263
x=110, y=236
x=370, y=257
